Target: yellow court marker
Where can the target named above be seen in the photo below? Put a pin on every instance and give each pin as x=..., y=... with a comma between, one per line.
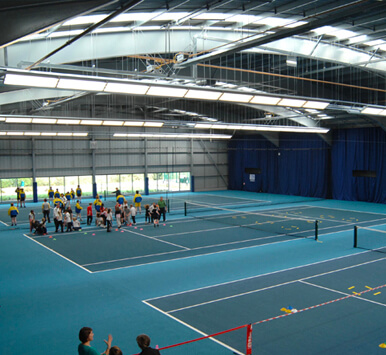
x=378, y=293
x=350, y=288
x=383, y=345
x=370, y=288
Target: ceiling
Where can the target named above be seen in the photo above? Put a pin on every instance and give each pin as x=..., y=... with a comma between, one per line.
x=334, y=51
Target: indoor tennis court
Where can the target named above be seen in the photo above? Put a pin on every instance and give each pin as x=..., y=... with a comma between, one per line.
x=218, y=170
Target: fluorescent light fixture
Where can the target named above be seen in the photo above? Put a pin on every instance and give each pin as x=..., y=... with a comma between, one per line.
x=265, y=100
x=91, y=122
x=30, y=80
x=235, y=97
x=65, y=121
x=316, y=105
x=2, y=119
x=295, y=24
x=80, y=134
x=126, y=88
x=18, y=119
x=292, y=62
x=172, y=135
x=15, y=133
x=44, y=120
x=153, y=124
x=203, y=94
x=134, y=123
x=64, y=134
x=203, y=125
x=32, y=133
x=166, y=91
x=291, y=102
x=372, y=111
x=113, y=123
x=383, y=113
x=49, y=134
x=3, y=133
x=84, y=85
x=219, y=126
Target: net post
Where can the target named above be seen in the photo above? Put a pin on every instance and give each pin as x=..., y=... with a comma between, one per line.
x=316, y=229
x=185, y=208
x=355, y=236
x=249, y=340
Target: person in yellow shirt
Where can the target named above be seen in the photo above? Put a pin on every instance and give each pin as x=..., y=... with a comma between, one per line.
x=78, y=210
x=137, y=201
x=51, y=194
x=13, y=212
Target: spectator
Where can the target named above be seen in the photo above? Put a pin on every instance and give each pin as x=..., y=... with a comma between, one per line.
x=86, y=336
x=143, y=342
x=115, y=351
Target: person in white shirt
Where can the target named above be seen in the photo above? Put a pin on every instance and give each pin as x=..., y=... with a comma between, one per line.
x=58, y=218
x=133, y=212
x=75, y=224
x=109, y=219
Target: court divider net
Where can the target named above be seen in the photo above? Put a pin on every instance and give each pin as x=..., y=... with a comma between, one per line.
x=370, y=238
x=277, y=222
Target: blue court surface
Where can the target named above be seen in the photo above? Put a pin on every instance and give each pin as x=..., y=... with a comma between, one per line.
x=285, y=265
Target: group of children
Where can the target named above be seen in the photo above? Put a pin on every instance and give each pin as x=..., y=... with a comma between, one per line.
x=125, y=214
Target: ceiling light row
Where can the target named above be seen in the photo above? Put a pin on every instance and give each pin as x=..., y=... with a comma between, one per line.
x=86, y=122
x=374, y=111
x=44, y=134
x=133, y=88
x=171, y=135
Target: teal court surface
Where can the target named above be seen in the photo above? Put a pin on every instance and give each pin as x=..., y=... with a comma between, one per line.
x=283, y=266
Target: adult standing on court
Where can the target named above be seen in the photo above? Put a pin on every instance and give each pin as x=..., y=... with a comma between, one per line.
x=46, y=210
x=17, y=195
x=22, y=198
x=86, y=336
x=162, y=208
x=13, y=212
x=117, y=192
x=51, y=194
x=137, y=201
x=79, y=193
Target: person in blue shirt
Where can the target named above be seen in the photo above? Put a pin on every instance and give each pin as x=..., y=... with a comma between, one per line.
x=86, y=336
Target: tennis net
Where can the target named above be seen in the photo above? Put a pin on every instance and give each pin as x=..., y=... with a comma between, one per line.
x=272, y=221
x=373, y=238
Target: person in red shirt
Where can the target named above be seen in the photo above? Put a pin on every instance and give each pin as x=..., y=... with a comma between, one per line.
x=89, y=214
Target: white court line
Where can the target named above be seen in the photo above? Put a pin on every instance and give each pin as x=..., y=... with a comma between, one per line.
x=195, y=256
x=269, y=274
x=154, y=238
x=343, y=293
x=274, y=286
x=55, y=252
x=346, y=210
x=195, y=329
x=191, y=249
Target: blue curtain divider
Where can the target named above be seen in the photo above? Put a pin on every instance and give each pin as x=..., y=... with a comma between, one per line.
x=305, y=165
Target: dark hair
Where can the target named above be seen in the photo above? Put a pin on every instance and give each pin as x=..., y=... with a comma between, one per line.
x=115, y=351
x=84, y=334
x=143, y=341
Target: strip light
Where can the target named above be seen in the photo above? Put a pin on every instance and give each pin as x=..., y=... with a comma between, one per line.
x=171, y=135
x=85, y=83
x=44, y=134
